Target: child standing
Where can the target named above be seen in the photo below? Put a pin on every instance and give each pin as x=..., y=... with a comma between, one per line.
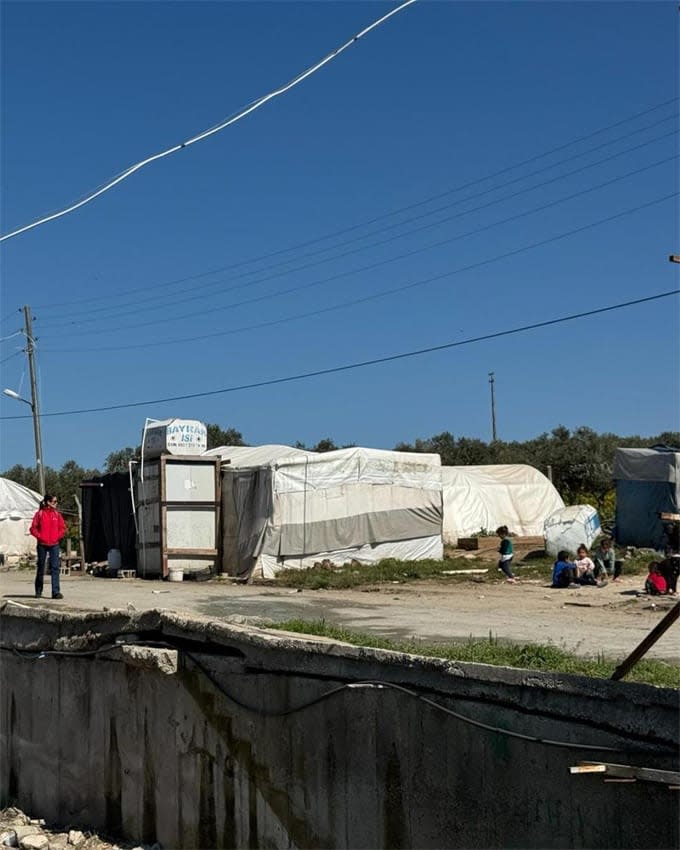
x=506, y=553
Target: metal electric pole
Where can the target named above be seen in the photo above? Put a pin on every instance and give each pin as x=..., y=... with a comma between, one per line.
x=30, y=349
x=492, y=380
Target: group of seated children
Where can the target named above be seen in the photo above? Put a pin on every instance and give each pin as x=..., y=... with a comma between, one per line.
x=583, y=570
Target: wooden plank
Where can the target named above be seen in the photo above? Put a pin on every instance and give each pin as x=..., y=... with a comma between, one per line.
x=588, y=768
x=192, y=553
x=627, y=771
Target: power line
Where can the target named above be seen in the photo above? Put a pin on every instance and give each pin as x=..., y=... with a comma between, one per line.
x=216, y=129
x=198, y=292
x=164, y=285
x=362, y=364
x=379, y=263
x=10, y=357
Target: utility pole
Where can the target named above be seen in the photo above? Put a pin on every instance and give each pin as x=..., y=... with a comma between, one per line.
x=492, y=380
x=30, y=349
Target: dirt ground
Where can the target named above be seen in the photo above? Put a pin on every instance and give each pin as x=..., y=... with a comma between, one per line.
x=587, y=621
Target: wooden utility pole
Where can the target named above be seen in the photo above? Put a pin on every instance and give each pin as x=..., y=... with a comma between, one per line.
x=661, y=627
x=492, y=380
x=35, y=409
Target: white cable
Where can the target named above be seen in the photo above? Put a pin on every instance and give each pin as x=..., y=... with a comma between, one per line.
x=204, y=135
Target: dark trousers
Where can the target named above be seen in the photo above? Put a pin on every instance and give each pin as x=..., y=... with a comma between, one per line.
x=565, y=578
x=670, y=569
x=506, y=567
x=45, y=552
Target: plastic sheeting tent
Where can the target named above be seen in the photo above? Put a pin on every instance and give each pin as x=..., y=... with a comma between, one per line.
x=485, y=497
x=18, y=505
x=285, y=508
x=571, y=527
x=647, y=484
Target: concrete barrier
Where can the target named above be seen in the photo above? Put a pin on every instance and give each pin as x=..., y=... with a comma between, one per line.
x=199, y=734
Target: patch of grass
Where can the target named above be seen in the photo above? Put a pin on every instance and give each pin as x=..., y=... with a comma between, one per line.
x=529, y=656
x=390, y=570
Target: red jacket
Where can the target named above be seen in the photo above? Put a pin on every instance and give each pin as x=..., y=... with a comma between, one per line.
x=48, y=526
x=658, y=581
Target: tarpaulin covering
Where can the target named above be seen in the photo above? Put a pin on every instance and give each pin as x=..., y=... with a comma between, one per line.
x=108, y=519
x=647, y=484
x=288, y=508
x=571, y=527
x=486, y=497
x=18, y=505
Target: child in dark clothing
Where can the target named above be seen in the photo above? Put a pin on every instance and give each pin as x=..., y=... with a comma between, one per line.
x=506, y=553
x=670, y=570
x=655, y=584
x=564, y=572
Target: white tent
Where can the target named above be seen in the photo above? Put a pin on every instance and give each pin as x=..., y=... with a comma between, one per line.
x=285, y=508
x=486, y=497
x=18, y=505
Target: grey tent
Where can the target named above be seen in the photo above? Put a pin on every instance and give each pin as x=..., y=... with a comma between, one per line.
x=647, y=484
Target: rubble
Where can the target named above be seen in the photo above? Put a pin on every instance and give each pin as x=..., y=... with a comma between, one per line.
x=19, y=830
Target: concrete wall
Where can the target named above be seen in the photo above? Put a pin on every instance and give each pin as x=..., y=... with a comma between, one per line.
x=234, y=737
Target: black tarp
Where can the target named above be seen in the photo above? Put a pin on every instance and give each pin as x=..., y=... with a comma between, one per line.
x=108, y=519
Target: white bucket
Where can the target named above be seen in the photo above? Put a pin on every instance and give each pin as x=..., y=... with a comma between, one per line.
x=114, y=559
x=176, y=574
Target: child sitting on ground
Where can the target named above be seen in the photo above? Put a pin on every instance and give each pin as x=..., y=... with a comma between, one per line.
x=655, y=583
x=585, y=568
x=564, y=572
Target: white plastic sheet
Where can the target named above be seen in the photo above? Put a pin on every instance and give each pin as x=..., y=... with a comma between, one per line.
x=485, y=497
x=570, y=528
x=283, y=506
x=18, y=505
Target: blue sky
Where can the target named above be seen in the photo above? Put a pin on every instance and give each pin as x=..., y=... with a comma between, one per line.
x=177, y=281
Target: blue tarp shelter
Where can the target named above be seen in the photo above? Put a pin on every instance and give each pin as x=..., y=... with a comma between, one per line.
x=647, y=484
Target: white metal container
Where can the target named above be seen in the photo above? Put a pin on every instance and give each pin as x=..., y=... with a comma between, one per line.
x=175, y=437
x=176, y=574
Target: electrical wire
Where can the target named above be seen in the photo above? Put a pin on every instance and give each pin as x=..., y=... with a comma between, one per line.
x=380, y=685
x=166, y=284
x=350, y=366
x=365, y=299
x=11, y=336
x=199, y=292
x=10, y=356
x=214, y=308
x=331, y=692
x=216, y=129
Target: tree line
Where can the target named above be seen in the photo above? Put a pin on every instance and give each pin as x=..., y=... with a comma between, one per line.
x=579, y=461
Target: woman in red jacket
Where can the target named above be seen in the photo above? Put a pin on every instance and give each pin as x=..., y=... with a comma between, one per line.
x=48, y=527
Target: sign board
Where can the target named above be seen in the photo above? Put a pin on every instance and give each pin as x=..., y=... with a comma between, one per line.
x=175, y=437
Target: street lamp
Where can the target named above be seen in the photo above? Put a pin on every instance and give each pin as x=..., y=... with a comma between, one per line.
x=37, y=435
